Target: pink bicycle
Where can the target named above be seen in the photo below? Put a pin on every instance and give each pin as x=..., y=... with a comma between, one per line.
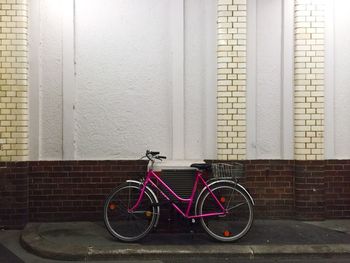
x=223, y=206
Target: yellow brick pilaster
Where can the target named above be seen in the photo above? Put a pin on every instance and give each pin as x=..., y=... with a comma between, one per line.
x=231, y=81
x=309, y=80
x=13, y=80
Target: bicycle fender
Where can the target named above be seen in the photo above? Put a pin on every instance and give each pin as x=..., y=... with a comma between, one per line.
x=153, y=195
x=224, y=181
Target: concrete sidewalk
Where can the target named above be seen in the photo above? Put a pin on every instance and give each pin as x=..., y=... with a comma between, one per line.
x=88, y=241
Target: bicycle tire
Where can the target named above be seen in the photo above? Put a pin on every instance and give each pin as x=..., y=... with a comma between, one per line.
x=236, y=223
x=125, y=226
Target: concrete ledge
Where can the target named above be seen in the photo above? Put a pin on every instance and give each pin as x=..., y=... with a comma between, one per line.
x=38, y=244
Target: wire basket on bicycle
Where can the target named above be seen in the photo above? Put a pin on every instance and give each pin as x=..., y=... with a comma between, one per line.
x=225, y=170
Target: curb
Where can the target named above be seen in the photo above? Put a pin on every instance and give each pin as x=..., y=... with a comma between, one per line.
x=37, y=244
x=31, y=240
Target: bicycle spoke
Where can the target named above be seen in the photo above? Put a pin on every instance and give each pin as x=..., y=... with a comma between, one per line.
x=137, y=226
x=122, y=206
x=126, y=225
x=127, y=196
x=229, y=201
x=236, y=206
x=138, y=212
x=236, y=222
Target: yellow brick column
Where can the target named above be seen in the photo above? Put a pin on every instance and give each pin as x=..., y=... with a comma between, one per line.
x=309, y=80
x=13, y=80
x=231, y=85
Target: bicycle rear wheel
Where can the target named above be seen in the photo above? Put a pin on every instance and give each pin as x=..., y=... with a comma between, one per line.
x=239, y=218
x=129, y=226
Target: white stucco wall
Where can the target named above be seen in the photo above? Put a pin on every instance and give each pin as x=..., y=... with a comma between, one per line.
x=269, y=40
x=126, y=86
x=200, y=83
x=142, y=74
x=123, y=79
x=50, y=80
x=341, y=84
x=269, y=78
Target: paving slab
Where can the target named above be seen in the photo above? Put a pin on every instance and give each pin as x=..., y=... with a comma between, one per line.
x=90, y=240
x=339, y=225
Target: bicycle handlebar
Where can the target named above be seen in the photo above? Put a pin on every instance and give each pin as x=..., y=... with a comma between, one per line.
x=151, y=155
x=152, y=152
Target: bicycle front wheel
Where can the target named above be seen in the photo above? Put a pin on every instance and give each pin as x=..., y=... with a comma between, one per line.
x=238, y=219
x=129, y=226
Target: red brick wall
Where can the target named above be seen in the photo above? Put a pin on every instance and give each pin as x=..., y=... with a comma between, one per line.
x=271, y=183
x=305, y=190
x=309, y=190
x=13, y=194
x=75, y=190
x=337, y=188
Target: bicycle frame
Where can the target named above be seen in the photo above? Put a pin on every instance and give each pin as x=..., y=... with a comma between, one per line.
x=151, y=174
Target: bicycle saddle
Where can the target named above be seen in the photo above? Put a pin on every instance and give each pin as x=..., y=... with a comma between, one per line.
x=201, y=166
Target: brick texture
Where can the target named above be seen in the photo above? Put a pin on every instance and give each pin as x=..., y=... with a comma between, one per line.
x=13, y=194
x=309, y=190
x=47, y=191
x=337, y=188
x=60, y=190
x=309, y=80
x=75, y=190
x=271, y=183
x=231, y=83
x=13, y=80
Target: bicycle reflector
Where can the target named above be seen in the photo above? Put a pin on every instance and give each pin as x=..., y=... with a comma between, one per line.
x=222, y=199
x=227, y=233
x=148, y=213
x=112, y=206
